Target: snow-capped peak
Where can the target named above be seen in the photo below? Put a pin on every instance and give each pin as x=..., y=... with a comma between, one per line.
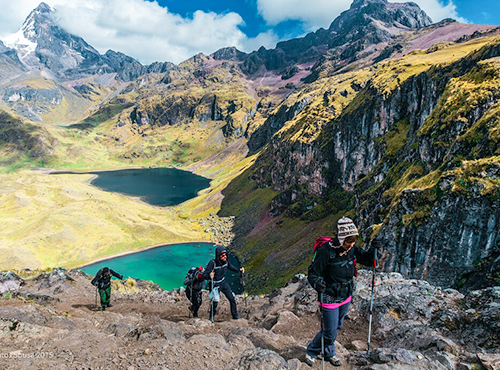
x=25, y=40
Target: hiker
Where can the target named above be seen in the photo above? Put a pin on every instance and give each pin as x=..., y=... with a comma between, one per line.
x=102, y=281
x=331, y=274
x=194, y=284
x=215, y=272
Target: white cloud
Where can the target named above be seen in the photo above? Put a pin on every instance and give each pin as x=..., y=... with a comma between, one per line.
x=149, y=32
x=321, y=13
x=313, y=13
x=437, y=11
x=141, y=29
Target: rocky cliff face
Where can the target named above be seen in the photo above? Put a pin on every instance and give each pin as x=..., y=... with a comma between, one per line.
x=416, y=158
x=9, y=61
x=50, y=319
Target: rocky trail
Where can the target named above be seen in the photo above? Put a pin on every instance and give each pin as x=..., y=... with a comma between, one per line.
x=52, y=322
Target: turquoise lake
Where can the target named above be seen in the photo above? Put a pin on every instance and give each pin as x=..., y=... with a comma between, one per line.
x=167, y=265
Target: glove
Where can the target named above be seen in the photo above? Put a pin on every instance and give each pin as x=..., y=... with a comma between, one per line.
x=376, y=244
x=320, y=286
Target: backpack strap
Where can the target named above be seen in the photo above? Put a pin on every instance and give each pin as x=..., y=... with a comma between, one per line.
x=219, y=267
x=342, y=263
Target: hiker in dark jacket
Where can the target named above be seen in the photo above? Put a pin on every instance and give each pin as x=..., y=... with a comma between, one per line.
x=331, y=274
x=102, y=281
x=215, y=272
x=194, y=284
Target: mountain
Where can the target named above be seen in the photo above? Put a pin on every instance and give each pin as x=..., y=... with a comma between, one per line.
x=383, y=117
x=349, y=37
x=41, y=44
x=415, y=325
x=9, y=63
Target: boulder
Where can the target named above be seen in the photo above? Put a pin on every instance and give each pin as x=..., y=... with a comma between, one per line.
x=10, y=282
x=490, y=361
x=259, y=359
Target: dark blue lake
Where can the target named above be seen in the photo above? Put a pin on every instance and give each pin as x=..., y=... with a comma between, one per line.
x=156, y=186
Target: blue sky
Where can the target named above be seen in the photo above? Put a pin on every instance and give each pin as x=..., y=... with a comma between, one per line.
x=477, y=12
x=168, y=30
x=254, y=22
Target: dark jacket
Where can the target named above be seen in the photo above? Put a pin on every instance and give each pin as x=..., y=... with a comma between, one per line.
x=337, y=271
x=102, y=280
x=219, y=267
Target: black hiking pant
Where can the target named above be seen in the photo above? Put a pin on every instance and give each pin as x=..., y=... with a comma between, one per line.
x=194, y=297
x=226, y=289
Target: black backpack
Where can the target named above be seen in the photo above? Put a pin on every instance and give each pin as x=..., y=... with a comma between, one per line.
x=194, y=278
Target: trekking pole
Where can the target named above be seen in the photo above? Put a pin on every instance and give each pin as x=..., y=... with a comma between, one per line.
x=191, y=300
x=245, y=295
x=371, y=299
x=96, y=306
x=322, y=332
x=212, y=303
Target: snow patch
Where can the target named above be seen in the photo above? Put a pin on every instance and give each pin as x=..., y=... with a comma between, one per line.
x=23, y=45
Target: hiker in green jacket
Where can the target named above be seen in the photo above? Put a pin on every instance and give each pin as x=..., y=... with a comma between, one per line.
x=102, y=281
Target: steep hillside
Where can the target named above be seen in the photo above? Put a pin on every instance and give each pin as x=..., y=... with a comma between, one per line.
x=24, y=142
x=408, y=145
x=50, y=320
x=52, y=76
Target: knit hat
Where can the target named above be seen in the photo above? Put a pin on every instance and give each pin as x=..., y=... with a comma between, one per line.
x=346, y=228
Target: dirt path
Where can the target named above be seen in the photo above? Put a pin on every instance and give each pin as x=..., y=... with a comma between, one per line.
x=55, y=323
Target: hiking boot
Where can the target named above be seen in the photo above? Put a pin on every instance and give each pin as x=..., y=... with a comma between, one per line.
x=309, y=360
x=110, y=305
x=236, y=317
x=103, y=308
x=335, y=361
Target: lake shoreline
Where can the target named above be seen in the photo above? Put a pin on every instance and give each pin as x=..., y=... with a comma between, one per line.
x=142, y=250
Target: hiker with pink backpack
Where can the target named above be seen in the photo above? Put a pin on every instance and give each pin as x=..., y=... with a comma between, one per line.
x=331, y=274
